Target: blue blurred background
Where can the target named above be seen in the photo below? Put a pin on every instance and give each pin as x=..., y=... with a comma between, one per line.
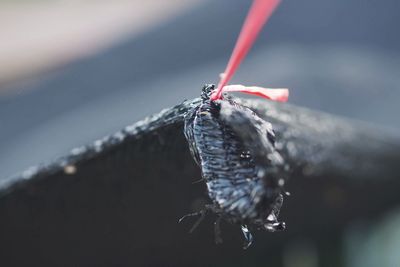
x=74, y=71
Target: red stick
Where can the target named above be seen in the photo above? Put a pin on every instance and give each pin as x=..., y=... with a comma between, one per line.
x=258, y=15
x=275, y=94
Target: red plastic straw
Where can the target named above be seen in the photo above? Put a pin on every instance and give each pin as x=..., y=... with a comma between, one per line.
x=258, y=15
x=275, y=94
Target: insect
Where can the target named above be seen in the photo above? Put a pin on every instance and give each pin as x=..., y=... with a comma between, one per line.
x=235, y=148
x=239, y=164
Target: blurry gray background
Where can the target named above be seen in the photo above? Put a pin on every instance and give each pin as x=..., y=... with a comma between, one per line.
x=74, y=71
x=337, y=56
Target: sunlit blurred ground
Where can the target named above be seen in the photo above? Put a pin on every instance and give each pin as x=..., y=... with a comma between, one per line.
x=38, y=35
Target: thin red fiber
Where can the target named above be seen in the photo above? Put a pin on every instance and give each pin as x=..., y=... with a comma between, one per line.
x=258, y=15
x=275, y=94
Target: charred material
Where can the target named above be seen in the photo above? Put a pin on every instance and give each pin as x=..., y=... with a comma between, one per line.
x=116, y=201
x=239, y=163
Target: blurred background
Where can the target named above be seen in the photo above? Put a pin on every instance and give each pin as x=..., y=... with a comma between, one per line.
x=74, y=71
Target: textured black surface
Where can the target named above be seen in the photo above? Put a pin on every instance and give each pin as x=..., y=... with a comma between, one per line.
x=242, y=174
x=118, y=200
